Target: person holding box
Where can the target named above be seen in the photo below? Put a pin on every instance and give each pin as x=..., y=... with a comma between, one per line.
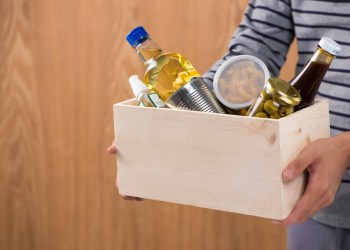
x=321, y=218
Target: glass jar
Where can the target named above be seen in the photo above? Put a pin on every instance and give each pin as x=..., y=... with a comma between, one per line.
x=276, y=100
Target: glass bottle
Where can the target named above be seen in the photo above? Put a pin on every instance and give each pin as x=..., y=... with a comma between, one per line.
x=275, y=101
x=308, y=81
x=165, y=72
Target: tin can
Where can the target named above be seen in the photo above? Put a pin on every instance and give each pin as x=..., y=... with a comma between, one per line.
x=196, y=96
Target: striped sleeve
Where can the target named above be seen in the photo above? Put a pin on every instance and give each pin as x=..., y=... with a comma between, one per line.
x=266, y=32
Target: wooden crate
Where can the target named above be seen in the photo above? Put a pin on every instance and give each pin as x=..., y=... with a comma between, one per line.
x=223, y=162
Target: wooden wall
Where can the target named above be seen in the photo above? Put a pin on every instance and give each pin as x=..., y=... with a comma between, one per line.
x=63, y=63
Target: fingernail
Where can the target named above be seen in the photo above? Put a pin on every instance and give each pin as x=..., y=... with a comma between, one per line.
x=288, y=173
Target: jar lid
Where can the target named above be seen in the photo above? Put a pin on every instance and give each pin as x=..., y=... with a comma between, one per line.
x=283, y=91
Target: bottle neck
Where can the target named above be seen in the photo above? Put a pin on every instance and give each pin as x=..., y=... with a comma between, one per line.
x=147, y=50
x=322, y=56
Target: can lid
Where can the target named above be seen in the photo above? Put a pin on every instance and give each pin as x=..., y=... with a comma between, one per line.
x=137, y=85
x=136, y=36
x=283, y=91
x=329, y=45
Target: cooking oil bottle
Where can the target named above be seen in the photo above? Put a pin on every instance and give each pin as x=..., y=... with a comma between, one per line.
x=165, y=72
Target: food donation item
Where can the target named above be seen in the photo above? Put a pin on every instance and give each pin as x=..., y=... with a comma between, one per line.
x=276, y=100
x=196, y=96
x=239, y=80
x=165, y=72
x=308, y=81
x=144, y=97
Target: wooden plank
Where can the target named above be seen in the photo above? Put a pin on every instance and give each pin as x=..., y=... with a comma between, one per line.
x=222, y=162
x=298, y=130
x=215, y=161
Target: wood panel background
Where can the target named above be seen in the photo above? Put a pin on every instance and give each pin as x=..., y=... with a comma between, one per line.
x=63, y=63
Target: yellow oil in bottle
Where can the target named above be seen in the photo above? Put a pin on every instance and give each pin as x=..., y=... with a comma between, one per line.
x=167, y=72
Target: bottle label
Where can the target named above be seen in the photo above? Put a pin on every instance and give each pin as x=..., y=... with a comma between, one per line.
x=141, y=104
x=156, y=101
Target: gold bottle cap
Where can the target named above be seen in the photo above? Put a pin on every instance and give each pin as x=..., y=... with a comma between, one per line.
x=283, y=91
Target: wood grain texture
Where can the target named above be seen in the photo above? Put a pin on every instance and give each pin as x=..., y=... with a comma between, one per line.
x=63, y=64
x=223, y=162
x=300, y=129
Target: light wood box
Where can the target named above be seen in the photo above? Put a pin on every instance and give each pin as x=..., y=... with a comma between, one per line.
x=223, y=162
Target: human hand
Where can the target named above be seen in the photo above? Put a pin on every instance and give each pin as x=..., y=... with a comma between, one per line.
x=112, y=149
x=326, y=161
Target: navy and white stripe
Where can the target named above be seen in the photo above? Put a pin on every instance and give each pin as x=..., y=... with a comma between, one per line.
x=267, y=30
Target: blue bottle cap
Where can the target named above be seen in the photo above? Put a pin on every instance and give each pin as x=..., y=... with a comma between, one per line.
x=136, y=36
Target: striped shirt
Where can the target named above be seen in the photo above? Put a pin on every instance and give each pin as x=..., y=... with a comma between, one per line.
x=267, y=30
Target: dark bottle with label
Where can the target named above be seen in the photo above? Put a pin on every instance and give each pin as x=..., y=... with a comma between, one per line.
x=308, y=81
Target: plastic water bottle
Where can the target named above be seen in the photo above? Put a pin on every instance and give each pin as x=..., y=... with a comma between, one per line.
x=143, y=95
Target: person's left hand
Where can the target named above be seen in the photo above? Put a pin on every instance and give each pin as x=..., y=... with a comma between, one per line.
x=112, y=149
x=326, y=161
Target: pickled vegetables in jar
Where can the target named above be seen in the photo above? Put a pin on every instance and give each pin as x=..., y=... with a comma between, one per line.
x=275, y=101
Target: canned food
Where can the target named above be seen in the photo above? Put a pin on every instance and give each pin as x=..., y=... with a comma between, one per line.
x=276, y=100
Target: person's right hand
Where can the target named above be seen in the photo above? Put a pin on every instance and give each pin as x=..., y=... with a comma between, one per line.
x=326, y=160
x=113, y=150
